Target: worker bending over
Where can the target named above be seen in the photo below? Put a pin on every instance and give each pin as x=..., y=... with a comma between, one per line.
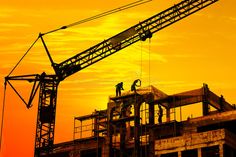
x=119, y=87
x=134, y=85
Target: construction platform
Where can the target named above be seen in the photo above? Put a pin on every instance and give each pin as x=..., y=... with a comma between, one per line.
x=133, y=125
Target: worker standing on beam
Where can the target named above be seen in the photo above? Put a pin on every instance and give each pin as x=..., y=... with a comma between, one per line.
x=134, y=85
x=119, y=87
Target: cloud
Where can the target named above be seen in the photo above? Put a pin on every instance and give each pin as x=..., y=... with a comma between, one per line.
x=79, y=81
x=2, y=15
x=7, y=65
x=5, y=30
x=11, y=25
x=218, y=17
x=6, y=12
x=91, y=93
x=4, y=37
x=178, y=55
x=231, y=18
x=14, y=48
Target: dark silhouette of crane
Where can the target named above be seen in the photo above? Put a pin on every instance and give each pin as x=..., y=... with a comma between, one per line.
x=48, y=84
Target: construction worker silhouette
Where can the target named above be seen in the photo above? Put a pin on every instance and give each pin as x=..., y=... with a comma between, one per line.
x=119, y=87
x=160, y=114
x=134, y=85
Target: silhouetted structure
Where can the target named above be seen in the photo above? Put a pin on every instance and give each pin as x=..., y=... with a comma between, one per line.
x=120, y=133
x=47, y=84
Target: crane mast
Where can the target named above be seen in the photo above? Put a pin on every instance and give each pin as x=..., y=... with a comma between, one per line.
x=48, y=84
x=46, y=116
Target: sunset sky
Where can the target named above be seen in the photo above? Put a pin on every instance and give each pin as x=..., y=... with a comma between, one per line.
x=199, y=49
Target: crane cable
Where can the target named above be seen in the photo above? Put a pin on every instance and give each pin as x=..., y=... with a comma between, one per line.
x=130, y=5
x=141, y=59
x=3, y=108
x=149, y=63
x=124, y=7
x=23, y=56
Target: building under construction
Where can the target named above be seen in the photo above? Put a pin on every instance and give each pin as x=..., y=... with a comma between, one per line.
x=136, y=123
x=143, y=124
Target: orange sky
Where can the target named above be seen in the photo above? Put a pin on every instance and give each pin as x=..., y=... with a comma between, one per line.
x=199, y=49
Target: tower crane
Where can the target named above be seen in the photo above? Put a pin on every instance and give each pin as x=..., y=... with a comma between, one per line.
x=48, y=83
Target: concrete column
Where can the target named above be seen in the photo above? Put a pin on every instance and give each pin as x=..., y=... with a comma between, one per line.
x=151, y=135
x=205, y=104
x=110, y=132
x=122, y=140
x=95, y=127
x=205, y=108
x=137, y=130
x=158, y=155
x=221, y=150
x=105, y=148
x=122, y=135
x=151, y=113
x=199, y=152
x=151, y=144
x=167, y=114
x=179, y=154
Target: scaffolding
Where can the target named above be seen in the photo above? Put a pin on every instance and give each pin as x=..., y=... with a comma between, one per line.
x=130, y=127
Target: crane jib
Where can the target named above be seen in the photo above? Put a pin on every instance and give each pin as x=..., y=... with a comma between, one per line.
x=140, y=31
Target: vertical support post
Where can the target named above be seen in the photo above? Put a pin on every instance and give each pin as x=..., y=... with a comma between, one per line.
x=96, y=131
x=111, y=154
x=122, y=140
x=110, y=132
x=74, y=130
x=179, y=154
x=123, y=132
x=137, y=130
x=199, y=152
x=151, y=133
x=151, y=113
x=221, y=102
x=167, y=114
x=205, y=105
x=221, y=150
x=81, y=129
x=95, y=127
x=205, y=108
